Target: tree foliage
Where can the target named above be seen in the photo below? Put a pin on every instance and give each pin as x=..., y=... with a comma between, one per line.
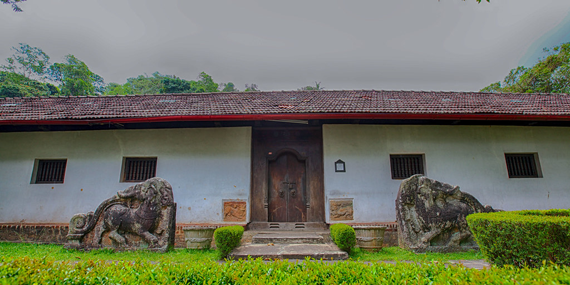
x=16, y=85
x=75, y=78
x=317, y=87
x=160, y=84
x=205, y=81
x=550, y=75
x=228, y=87
x=205, y=84
x=142, y=84
x=251, y=87
x=28, y=61
x=117, y=89
x=14, y=4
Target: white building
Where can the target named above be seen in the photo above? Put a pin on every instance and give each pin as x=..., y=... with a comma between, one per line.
x=281, y=159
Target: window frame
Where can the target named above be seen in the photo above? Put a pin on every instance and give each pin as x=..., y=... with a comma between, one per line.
x=422, y=164
x=38, y=167
x=127, y=159
x=533, y=155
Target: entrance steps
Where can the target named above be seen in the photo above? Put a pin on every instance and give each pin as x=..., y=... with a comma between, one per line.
x=288, y=238
x=288, y=245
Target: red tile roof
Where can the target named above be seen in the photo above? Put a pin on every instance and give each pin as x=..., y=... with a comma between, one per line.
x=285, y=104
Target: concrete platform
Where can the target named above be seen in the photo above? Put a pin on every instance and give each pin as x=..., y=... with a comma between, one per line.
x=289, y=251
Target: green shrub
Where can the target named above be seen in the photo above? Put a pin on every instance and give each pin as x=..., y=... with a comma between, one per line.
x=25, y=270
x=227, y=238
x=343, y=236
x=523, y=238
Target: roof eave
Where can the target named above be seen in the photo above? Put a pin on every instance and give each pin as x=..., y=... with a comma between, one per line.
x=296, y=116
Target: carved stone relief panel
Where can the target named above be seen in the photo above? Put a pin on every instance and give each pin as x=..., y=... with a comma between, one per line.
x=341, y=209
x=235, y=211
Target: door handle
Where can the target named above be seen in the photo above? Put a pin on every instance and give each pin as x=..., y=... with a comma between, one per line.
x=281, y=191
x=293, y=190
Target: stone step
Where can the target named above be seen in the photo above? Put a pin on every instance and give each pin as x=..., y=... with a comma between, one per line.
x=281, y=226
x=287, y=238
x=289, y=251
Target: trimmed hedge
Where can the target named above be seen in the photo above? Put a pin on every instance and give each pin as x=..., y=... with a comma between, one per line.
x=227, y=238
x=523, y=238
x=343, y=236
x=42, y=271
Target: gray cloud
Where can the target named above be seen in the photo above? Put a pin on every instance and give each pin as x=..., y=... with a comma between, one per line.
x=413, y=44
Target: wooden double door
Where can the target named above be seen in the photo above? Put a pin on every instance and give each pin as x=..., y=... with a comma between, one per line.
x=287, y=184
x=287, y=175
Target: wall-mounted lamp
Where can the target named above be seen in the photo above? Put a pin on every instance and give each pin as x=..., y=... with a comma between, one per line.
x=339, y=166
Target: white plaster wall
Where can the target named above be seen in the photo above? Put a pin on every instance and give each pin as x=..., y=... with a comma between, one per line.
x=469, y=156
x=203, y=165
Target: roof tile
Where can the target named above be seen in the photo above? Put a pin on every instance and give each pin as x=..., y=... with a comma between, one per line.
x=281, y=102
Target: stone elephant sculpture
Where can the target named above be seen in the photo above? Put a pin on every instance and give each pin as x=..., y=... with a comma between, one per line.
x=431, y=215
x=146, y=210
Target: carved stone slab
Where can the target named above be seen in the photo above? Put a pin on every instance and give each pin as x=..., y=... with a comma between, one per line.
x=431, y=216
x=143, y=216
x=341, y=209
x=235, y=211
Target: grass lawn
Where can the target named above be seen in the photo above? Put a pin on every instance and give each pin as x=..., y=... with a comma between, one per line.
x=58, y=253
x=398, y=254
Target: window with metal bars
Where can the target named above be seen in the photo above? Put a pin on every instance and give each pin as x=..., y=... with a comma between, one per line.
x=49, y=171
x=137, y=169
x=523, y=165
x=406, y=165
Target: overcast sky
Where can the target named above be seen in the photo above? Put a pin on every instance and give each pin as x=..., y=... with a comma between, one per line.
x=284, y=45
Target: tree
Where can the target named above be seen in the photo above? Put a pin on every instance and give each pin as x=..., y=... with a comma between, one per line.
x=173, y=84
x=317, y=87
x=15, y=7
x=207, y=83
x=159, y=84
x=550, y=74
x=118, y=89
x=228, y=87
x=178, y=85
x=144, y=84
x=561, y=79
x=28, y=61
x=17, y=85
x=75, y=78
x=251, y=87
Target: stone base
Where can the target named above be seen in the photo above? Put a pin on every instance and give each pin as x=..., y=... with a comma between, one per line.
x=57, y=233
x=34, y=233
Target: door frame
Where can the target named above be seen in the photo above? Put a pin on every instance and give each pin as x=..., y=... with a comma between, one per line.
x=306, y=142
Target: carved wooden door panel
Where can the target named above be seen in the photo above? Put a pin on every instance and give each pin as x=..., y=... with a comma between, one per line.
x=287, y=195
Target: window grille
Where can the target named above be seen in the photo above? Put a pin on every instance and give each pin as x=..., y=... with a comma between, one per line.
x=139, y=169
x=404, y=166
x=522, y=165
x=50, y=171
